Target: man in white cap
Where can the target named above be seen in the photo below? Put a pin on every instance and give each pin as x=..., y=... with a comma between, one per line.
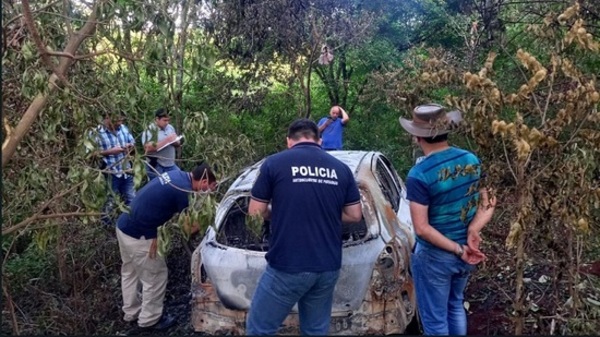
x=443, y=189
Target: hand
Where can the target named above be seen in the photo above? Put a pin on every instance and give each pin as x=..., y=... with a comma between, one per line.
x=171, y=137
x=473, y=240
x=153, y=249
x=471, y=256
x=128, y=148
x=116, y=150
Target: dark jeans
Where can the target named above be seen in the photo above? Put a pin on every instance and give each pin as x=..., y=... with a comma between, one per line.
x=278, y=291
x=121, y=186
x=440, y=279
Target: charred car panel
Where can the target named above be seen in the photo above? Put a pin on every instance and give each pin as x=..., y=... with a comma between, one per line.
x=230, y=259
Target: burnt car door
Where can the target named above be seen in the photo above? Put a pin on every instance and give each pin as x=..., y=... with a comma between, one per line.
x=394, y=190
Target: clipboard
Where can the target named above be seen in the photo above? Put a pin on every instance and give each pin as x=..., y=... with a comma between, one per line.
x=169, y=143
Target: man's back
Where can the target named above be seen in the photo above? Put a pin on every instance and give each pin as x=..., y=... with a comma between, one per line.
x=156, y=203
x=448, y=182
x=308, y=188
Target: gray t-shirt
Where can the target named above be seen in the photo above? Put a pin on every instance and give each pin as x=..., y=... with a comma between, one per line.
x=166, y=156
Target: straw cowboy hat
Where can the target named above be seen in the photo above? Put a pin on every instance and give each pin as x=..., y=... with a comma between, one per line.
x=430, y=120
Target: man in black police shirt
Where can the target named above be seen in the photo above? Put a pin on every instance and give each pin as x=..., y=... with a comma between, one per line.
x=311, y=194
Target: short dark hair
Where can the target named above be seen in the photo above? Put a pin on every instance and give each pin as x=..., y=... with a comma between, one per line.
x=435, y=139
x=203, y=171
x=303, y=128
x=161, y=112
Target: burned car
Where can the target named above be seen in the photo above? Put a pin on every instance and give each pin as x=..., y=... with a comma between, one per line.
x=374, y=293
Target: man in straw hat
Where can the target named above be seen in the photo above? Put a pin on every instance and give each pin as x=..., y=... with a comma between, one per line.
x=443, y=190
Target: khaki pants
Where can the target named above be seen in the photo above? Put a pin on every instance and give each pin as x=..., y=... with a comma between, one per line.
x=138, y=269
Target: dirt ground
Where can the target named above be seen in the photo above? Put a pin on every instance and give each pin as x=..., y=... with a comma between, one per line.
x=487, y=314
x=488, y=295
x=43, y=309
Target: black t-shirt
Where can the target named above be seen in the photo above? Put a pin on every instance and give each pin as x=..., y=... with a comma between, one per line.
x=308, y=189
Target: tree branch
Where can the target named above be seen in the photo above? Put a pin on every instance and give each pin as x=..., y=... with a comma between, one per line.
x=41, y=99
x=35, y=11
x=35, y=36
x=36, y=217
x=11, y=308
x=41, y=209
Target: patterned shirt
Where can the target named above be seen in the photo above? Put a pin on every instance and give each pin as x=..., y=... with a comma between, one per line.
x=447, y=182
x=105, y=140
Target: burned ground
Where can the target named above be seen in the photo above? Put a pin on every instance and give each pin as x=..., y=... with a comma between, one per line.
x=89, y=302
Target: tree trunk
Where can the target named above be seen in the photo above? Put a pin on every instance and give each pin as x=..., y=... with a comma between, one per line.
x=181, y=43
x=519, y=285
x=38, y=104
x=520, y=257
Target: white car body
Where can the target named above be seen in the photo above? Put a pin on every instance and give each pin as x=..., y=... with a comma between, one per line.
x=375, y=292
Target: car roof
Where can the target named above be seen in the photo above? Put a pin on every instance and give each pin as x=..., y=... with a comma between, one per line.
x=351, y=158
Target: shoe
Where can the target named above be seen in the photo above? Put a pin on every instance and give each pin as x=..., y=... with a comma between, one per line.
x=166, y=321
x=131, y=319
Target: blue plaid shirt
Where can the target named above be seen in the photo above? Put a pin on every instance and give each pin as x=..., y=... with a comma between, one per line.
x=106, y=140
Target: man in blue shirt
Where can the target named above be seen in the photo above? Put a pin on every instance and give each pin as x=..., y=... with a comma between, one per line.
x=443, y=189
x=311, y=193
x=331, y=128
x=161, y=158
x=114, y=143
x=136, y=231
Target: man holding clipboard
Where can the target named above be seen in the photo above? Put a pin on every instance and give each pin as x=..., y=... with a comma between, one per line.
x=160, y=141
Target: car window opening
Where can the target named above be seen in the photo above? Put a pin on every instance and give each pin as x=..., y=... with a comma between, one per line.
x=234, y=232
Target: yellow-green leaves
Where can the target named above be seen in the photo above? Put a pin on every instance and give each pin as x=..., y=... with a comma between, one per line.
x=163, y=241
x=139, y=172
x=254, y=223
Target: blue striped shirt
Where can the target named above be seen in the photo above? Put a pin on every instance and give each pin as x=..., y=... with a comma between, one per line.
x=448, y=183
x=105, y=140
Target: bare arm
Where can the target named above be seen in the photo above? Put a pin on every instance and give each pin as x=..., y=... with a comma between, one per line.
x=485, y=210
x=345, y=117
x=425, y=231
x=153, y=146
x=420, y=219
x=261, y=208
x=325, y=125
x=112, y=151
x=352, y=213
x=117, y=149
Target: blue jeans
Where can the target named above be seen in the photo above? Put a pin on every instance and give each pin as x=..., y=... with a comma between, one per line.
x=276, y=294
x=121, y=186
x=161, y=169
x=440, y=279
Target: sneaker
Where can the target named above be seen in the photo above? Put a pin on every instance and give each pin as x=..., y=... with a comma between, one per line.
x=165, y=322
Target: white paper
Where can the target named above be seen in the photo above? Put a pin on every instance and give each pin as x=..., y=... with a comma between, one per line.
x=169, y=143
